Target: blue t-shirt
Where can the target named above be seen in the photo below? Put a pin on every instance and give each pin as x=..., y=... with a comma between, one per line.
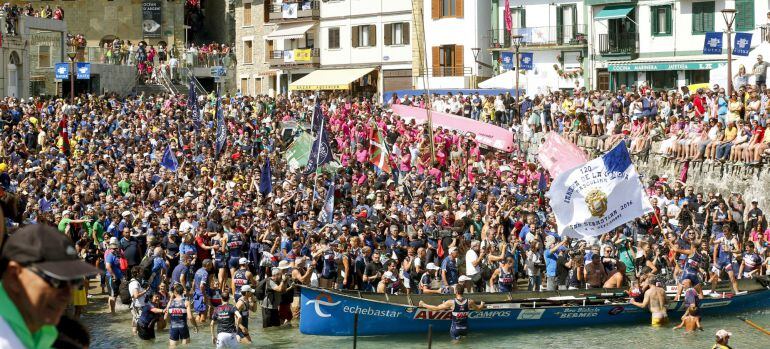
x=452, y=274
x=158, y=264
x=114, y=261
x=201, y=277
x=550, y=262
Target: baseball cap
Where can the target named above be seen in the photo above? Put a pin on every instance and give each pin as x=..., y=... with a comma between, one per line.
x=243, y=261
x=246, y=288
x=389, y=275
x=45, y=248
x=432, y=266
x=463, y=278
x=113, y=243
x=283, y=265
x=722, y=333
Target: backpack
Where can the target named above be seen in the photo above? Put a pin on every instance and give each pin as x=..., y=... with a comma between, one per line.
x=261, y=289
x=146, y=266
x=123, y=293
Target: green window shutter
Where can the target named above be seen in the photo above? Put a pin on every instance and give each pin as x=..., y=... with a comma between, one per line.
x=654, y=25
x=669, y=20
x=744, y=19
x=523, y=18
x=703, y=17
x=559, y=24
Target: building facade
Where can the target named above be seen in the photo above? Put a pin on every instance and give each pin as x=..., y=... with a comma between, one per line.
x=553, y=31
x=253, y=76
x=661, y=42
x=369, y=34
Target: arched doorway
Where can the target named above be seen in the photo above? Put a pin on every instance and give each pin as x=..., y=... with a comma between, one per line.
x=12, y=74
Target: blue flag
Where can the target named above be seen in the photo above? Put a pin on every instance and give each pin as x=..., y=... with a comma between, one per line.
x=169, y=160
x=179, y=137
x=221, y=130
x=742, y=44
x=542, y=185
x=525, y=60
x=507, y=60
x=327, y=212
x=712, y=44
x=265, y=179
x=321, y=152
x=192, y=105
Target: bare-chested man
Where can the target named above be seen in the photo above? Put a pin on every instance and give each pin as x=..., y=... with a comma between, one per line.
x=594, y=272
x=655, y=299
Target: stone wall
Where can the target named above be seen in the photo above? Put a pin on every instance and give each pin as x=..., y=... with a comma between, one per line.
x=753, y=182
x=258, y=82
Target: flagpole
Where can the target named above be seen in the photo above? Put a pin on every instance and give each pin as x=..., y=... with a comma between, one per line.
x=317, y=158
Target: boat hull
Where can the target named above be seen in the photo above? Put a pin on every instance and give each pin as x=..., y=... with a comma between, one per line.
x=332, y=314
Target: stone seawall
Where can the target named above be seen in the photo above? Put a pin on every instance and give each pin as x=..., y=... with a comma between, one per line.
x=753, y=182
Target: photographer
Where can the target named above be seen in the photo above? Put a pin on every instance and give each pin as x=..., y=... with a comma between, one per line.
x=274, y=287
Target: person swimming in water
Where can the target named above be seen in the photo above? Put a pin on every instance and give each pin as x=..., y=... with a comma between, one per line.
x=690, y=321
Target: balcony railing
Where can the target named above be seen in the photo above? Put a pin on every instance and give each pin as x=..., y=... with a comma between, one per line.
x=564, y=35
x=299, y=9
x=447, y=71
x=618, y=44
x=283, y=58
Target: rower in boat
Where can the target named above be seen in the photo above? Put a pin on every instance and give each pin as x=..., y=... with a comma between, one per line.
x=461, y=308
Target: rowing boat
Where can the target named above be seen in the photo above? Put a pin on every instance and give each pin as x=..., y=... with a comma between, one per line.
x=332, y=313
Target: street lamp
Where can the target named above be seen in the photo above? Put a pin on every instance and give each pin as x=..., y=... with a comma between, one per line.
x=516, y=41
x=729, y=15
x=71, y=54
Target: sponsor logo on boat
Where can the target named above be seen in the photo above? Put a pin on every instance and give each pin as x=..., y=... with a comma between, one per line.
x=616, y=310
x=423, y=314
x=369, y=311
x=569, y=313
x=530, y=314
x=322, y=299
x=715, y=304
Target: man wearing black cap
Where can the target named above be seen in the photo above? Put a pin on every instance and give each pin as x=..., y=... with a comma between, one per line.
x=40, y=268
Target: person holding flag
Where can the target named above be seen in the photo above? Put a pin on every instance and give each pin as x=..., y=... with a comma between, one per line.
x=169, y=160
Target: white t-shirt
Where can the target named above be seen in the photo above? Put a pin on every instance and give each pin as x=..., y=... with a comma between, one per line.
x=135, y=287
x=470, y=258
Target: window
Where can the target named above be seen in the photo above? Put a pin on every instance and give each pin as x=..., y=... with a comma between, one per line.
x=661, y=20
x=247, y=14
x=396, y=34
x=364, y=35
x=446, y=8
x=566, y=22
x=448, y=60
x=247, y=52
x=519, y=17
x=334, y=37
x=245, y=86
x=309, y=41
x=44, y=56
x=744, y=19
x=702, y=17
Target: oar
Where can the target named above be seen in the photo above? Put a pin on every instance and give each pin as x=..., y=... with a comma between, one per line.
x=752, y=324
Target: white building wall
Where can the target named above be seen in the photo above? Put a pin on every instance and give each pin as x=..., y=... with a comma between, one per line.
x=469, y=31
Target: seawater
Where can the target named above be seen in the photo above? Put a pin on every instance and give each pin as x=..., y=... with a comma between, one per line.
x=114, y=331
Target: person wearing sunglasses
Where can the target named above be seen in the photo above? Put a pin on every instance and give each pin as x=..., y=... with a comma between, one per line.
x=39, y=269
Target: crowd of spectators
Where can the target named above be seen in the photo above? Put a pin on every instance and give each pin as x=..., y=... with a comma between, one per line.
x=11, y=12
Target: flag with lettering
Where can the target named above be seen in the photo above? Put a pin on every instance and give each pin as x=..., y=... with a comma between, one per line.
x=169, y=160
x=506, y=59
x=192, y=105
x=742, y=44
x=321, y=152
x=315, y=122
x=525, y=60
x=598, y=196
x=221, y=140
x=327, y=212
x=265, y=179
x=507, y=16
x=712, y=44
x=557, y=155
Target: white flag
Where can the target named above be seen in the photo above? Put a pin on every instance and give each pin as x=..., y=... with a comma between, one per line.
x=598, y=196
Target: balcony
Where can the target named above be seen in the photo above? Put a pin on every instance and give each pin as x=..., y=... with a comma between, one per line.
x=294, y=58
x=294, y=11
x=541, y=37
x=619, y=45
x=438, y=71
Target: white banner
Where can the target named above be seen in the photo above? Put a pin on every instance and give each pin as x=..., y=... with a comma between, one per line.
x=288, y=56
x=598, y=196
x=289, y=10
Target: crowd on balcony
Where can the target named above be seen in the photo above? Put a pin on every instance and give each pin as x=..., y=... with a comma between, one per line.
x=11, y=12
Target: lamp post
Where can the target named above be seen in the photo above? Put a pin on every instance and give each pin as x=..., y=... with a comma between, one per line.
x=71, y=54
x=516, y=42
x=729, y=15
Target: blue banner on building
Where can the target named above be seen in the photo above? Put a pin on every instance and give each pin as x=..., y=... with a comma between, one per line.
x=712, y=45
x=525, y=60
x=742, y=44
x=62, y=71
x=83, y=70
x=507, y=60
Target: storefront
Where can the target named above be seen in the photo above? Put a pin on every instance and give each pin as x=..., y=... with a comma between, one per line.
x=357, y=81
x=660, y=74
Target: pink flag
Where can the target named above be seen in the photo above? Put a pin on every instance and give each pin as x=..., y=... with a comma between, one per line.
x=507, y=16
x=557, y=154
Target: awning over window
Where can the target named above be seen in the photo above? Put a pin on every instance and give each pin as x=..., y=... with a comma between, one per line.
x=290, y=31
x=614, y=12
x=329, y=79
